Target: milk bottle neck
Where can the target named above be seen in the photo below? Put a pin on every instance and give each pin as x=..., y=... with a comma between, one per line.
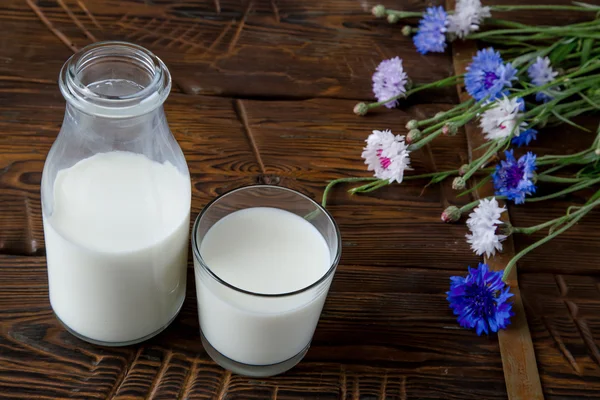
x=115, y=80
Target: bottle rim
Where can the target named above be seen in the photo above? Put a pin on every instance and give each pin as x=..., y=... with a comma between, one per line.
x=81, y=96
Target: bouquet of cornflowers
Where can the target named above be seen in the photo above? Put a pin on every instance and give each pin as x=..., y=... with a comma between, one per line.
x=536, y=76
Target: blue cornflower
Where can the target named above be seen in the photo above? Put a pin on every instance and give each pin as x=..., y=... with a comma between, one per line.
x=525, y=137
x=541, y=73
x=488, y=75
x=480, y=300
x=432, y=31
x=513, y=178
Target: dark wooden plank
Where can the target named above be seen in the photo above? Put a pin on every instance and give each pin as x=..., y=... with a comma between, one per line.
x=563, y=312
x=303, y=50
x=388, y=337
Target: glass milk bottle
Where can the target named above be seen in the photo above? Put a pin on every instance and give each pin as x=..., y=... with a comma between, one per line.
x=116, y=199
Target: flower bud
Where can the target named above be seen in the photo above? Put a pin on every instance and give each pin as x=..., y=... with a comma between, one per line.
x=450, y=129
x=451, y=214
x=393, y=18
x=459, y=183
x=378, y=11
x=412, y=124
x=409, y=84
x=463, y=169
x=439, y=115
x=597, y=151
x=361, y=109
x=414, y=135
x=406, y=30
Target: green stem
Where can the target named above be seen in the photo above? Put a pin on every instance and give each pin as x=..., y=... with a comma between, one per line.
x=590, y=8
x=537, y=32
x=537, y=244
x=575, y=217
x=450, y=81
x=492, y=150
x=503, y=22
x=582, y=185
x=334, y=182
x=447, y=114
x=563, y=159
x=367, y=186
x=458, y=120
x=404, y=14
x=424, y=141
x=533, y=229
x=371, y=188
x=551, y=170
x=559, y=179
x=432, y=174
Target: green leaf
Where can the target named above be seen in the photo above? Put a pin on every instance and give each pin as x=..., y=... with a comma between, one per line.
x=588, y=45
x=586, y=5
x=561, y=52
x=483, y=146
x=595, y=197
x=480, y=184
x=439, y=178
x=568, y=121
x=590, y=101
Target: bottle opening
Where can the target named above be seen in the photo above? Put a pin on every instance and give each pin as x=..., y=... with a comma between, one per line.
x=115, y=79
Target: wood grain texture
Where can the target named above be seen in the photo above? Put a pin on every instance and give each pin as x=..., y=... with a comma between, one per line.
x=563, y=312
x=382, y=335
x=263, y=94
x=313, y=48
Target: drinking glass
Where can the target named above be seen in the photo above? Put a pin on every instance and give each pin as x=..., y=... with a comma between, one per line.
x=258, y=334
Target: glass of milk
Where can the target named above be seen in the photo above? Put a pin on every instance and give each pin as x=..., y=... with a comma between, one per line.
x=116, y=199
x=264, y=258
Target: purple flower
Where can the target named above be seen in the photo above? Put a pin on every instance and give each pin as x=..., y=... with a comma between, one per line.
x=431, y=36
x=389, y=80
x=480, y=300
x=513, y=178
x=541, y=73
x=525, y=137
x=488, y=76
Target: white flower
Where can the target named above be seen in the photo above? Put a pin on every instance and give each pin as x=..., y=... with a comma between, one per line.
x=483, y=222
x=387, y=155
x=467, y=17
x=499, y=121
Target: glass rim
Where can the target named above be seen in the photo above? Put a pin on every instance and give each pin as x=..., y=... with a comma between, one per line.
x=140, y=102
x=196, y=251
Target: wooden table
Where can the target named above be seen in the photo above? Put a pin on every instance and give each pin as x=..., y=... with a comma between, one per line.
x=263, y=93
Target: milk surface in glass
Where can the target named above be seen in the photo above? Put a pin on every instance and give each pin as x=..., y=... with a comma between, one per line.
x=116, y=245
x=269, y=251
